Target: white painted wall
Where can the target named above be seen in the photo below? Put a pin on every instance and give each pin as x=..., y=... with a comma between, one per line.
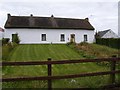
x=1, y=35
x=110, y=34
x=52, y=35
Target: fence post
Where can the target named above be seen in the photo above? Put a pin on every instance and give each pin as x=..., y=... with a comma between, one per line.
x=113, y=67
x=49, y=74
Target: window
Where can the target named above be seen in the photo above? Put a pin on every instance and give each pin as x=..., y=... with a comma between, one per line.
x=85, y=38
x=43, y=37
x=72, y=39
x=72, y=35
x=62, y=37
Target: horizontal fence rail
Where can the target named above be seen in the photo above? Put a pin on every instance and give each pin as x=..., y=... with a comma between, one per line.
x=59, y=77
x=50, y=77
x=58, y=62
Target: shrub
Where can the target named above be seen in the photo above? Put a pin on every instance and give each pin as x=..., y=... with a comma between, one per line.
x=83, y=43
x=71, y=43
x=118, y=73
x=110, y=42
x=5, y=41
x=6, y=50
x=15, y=38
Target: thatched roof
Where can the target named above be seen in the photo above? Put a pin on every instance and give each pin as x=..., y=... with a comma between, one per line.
x=47, y=22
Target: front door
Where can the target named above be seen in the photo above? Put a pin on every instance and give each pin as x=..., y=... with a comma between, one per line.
x=72, y=38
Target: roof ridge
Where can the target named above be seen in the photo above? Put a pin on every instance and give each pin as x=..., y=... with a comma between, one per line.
x=49, y=17
x=47, y=22
x=101, y=33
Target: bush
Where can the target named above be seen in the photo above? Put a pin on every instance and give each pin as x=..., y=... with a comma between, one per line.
x=83, y=43
x=119, y=73
x=7, y=46
x=5, y=41
x=15, y=38
x=71, y=43
x=6, y=50
x=110, y=42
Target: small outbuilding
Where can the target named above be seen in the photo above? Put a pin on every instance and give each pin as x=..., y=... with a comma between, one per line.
x=106, y=34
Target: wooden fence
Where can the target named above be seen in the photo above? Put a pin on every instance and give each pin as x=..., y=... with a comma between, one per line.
x=49, y=64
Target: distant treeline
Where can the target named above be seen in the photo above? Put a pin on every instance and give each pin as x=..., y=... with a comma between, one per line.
x=111, y=42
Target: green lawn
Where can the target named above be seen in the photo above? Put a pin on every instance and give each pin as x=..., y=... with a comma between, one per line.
x=42, y=52
x=56, y=52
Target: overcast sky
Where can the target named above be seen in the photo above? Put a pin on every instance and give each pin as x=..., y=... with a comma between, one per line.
x=102, y=15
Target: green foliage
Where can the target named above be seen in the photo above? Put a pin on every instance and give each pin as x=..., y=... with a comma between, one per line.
x=5, y=41
x=71, y=43
x=80, y=51
x=83, y=43
x=7, y=49
x=93, y=50
x=118, y=73
x=110, y=42
x=15, y=38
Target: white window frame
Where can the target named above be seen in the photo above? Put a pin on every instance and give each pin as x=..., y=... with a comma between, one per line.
x=62, y=37
x=85, y=37
x=43, y=37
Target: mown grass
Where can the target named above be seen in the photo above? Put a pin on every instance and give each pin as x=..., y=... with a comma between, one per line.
x=42, y=52
x=88, y=82
x=56, y=52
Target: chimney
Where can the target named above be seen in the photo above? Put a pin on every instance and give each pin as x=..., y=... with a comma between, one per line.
x=31, y=15
x=31, y=20
x=52, y=15
x=8, y=15
x=87, y=19
x=53, y=21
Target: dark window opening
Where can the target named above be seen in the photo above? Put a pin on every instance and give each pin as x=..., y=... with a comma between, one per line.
x=43, y=37
x=62, y=37
x=72, y=35
x=85, y=38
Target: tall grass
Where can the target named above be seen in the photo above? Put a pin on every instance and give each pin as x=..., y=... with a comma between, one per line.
x=118, y=75
x=95, y=50
x=5, y=52
x=7, y=49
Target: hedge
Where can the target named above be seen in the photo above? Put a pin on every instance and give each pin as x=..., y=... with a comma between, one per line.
x=110, y=42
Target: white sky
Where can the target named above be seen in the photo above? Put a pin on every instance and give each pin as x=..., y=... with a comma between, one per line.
x=102, y=15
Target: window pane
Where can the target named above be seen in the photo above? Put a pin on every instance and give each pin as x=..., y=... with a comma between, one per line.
x=72, y=35
x=43, y=37
x=85, y=38
x=62, y=37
